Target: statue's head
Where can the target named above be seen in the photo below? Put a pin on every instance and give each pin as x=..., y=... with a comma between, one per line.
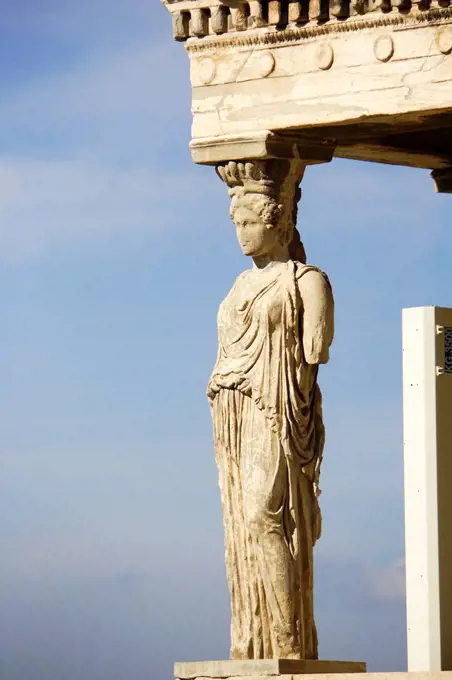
x=256, y=218
x=264, y=198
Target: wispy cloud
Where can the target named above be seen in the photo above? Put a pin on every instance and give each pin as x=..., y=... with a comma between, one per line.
x=92, y=151
x=131, y=95
x=387, y=583
x=64, y=202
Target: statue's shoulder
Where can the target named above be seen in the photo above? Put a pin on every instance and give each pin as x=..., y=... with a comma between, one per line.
x=314, y=273
x=235, y=287
x=302, y=269
x=241, y=278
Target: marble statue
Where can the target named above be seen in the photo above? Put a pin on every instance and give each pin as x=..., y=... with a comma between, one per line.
x=275, y=328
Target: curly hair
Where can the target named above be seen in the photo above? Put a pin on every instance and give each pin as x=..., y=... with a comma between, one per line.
x=266, y=208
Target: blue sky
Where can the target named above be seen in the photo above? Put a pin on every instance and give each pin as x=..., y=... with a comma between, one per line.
x=115, y=251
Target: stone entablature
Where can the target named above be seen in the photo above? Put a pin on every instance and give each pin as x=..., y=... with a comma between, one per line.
x=363, y=79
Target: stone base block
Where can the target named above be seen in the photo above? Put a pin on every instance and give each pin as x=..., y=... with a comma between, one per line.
x=263, y=668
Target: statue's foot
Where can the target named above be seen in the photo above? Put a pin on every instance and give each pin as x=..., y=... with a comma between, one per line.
x=240, y=653
x=288, y=654
x=288, y=651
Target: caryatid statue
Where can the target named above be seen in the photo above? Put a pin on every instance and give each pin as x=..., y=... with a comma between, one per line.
x=275, y=327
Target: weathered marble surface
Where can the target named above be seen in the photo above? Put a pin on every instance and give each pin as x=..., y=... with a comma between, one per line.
x=275, y=328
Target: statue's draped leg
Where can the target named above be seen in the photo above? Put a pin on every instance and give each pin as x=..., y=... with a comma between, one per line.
x=268, y=544
x=250, y=623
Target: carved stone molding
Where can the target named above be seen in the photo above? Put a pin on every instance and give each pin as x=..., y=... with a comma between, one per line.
x=261, y=145
x=257, y=22
x=297, y=34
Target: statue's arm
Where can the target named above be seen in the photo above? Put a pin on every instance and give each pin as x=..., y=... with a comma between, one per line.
x=318, y=316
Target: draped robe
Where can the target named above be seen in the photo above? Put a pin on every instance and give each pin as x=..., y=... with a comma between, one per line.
x=269, y=436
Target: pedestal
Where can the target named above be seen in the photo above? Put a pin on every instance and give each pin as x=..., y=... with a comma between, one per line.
x=260, y=669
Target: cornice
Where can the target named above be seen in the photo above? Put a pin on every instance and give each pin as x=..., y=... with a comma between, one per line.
x=272, y=36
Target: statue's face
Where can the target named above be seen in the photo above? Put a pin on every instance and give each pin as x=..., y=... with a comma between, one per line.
x=256, y=238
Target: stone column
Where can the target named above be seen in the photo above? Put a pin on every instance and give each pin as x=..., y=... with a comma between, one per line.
x=275, y=328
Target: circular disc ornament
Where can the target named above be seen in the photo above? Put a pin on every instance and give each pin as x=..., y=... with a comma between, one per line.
x=207, y=70
x=384, y=48
x=266, y=64
x=444, y=39
x=324, y=57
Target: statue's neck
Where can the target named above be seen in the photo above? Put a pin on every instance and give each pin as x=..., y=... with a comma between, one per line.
x=269, y=260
